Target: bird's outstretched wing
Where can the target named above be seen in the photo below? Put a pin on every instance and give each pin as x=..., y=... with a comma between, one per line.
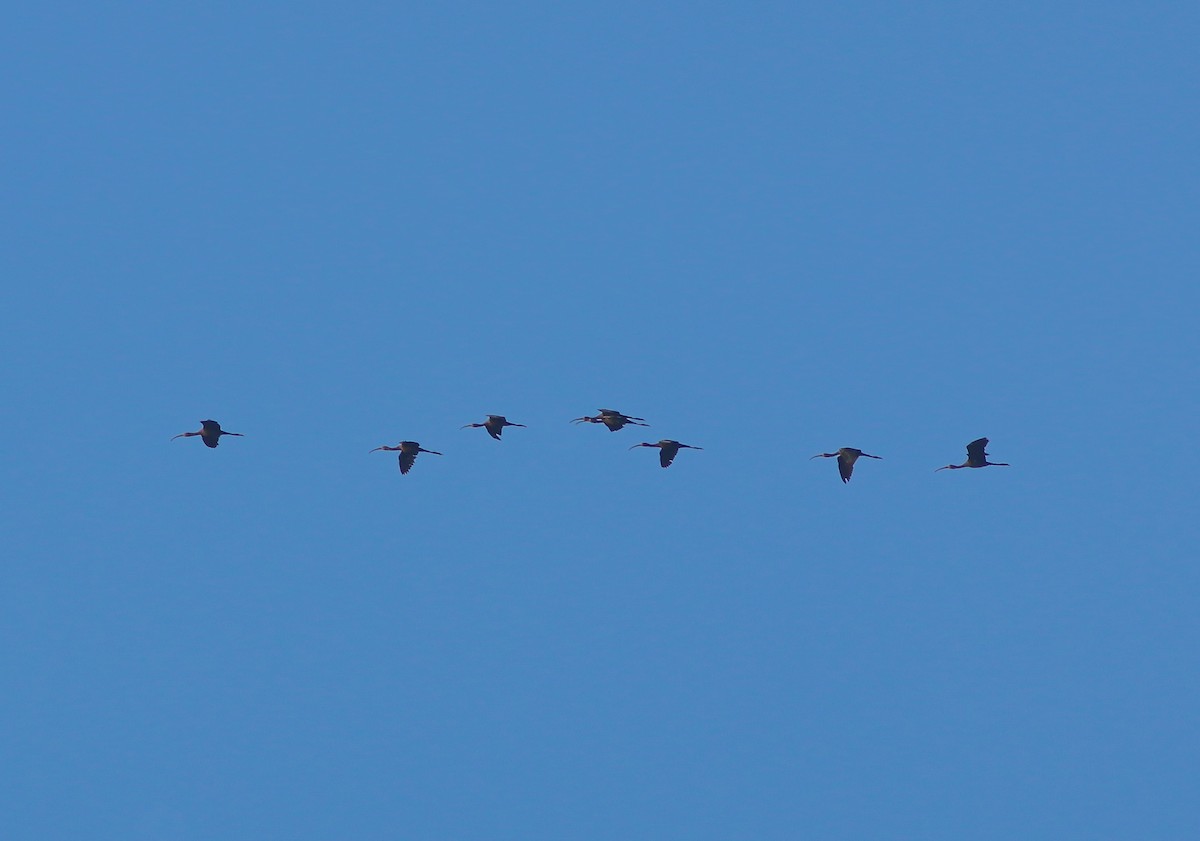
x=975, y=450
x=845, y=468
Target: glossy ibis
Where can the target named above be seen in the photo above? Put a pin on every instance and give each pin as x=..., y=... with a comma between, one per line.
x=976, y=457
x=494, y=425
x=210, y=433
x=667, y=450
x=408, y=453
x=613, y=419
x=846, y=457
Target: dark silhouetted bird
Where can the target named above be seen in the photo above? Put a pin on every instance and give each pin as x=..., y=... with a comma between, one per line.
x=976, y=457
x=667, y=450
x=494, y=425
x=210, y=433
x=408, y=453
x=846, y=457
x=613, y=419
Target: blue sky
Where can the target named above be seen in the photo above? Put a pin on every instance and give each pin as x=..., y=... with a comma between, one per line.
x=770, y=230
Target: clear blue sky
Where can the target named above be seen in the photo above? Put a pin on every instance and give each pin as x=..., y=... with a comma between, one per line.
x=772, y=230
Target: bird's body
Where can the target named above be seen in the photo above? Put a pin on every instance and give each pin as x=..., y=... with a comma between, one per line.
x=976, y=457
x=408, y=453
x=210, y=433
x=494, y=425
x=846, y=457
x=667, y=450
x=613, y=419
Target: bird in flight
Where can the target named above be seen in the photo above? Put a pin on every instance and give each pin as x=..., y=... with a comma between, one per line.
x=494, y=425
x=613, y=419
x=210, y=433
x=976, y=457
x=408, y=453
x=667, y=450
x=846, y=457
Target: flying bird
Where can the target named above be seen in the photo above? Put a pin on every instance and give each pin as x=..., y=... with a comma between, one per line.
x=976, y=457
x=613, y=419
x=846, y=457
x=667, y=450
x=210, y=433
x=408, y=453
x=494, y=425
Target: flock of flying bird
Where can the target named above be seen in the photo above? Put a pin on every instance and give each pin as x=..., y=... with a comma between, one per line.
x=210, y=433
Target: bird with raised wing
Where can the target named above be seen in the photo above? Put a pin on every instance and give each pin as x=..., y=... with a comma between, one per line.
x=667, y=450
x=846, y=457
x=210, y=433
x=976, y=457
x=613, y=419
x=494, y=425
x=408, y=453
